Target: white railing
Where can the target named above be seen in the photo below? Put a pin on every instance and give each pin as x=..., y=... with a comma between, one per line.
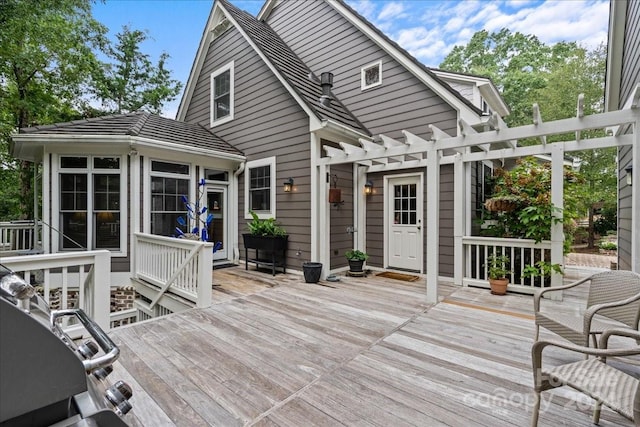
x=18, y=237
x=178, y=266
x=521, y=253
x=86, y=273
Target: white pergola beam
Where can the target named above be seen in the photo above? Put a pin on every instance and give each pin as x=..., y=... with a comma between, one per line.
x=350, y=149
x=333, y=152
x=437, y=133
x=388, y=142
x=537, y=120
x=370, y=146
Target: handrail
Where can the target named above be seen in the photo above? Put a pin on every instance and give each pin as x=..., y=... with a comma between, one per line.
x=175, y=275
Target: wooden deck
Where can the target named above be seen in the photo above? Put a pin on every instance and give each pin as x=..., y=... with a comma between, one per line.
x=362, y=351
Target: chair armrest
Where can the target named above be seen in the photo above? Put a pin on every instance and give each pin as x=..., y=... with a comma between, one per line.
x=539, y=292
x=592, y=311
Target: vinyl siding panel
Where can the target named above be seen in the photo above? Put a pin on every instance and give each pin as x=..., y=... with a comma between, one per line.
x=630, y=78
x=402, y=102
x=267, y=122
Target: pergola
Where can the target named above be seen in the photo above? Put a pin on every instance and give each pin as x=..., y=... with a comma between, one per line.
x=499, y=143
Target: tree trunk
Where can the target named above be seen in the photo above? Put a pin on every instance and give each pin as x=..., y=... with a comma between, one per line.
x=591, y=238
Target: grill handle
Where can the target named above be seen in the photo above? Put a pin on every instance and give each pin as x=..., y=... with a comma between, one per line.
x=110, y=349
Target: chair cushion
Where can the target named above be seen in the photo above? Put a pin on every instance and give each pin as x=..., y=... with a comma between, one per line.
x=610, y=386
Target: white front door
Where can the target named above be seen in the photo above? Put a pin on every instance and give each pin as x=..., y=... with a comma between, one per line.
x=217, y=230
x=404, y=222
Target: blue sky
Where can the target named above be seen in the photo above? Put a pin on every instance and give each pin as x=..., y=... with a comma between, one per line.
x=428, y=29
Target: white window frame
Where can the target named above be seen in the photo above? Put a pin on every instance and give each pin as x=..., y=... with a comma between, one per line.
x=189, y=176
x=268, y=161
x=228, y=67
x=363, y=72
x=90, y=171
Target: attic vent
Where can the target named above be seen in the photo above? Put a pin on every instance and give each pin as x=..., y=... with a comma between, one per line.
x=222, y=26
x=326, y=81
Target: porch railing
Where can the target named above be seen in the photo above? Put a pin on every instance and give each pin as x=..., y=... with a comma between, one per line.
x=83, y=277
x=18, y=237
x=521, y=253
x=178, y=266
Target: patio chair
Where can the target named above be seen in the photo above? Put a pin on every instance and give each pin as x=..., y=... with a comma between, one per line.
x=607, y=385
x=613, y=302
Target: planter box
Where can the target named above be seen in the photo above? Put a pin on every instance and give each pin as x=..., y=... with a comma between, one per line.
x=269, y=251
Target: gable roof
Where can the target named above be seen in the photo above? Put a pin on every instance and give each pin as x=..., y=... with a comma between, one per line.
x=469, y=112
x=141, y=125
x=285, y=64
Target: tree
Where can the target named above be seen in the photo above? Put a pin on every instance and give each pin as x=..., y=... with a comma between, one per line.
x=527, y=72
x=131, y=81
x=46, y=54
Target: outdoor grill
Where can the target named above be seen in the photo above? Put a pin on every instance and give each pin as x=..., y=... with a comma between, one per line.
x=46, y=379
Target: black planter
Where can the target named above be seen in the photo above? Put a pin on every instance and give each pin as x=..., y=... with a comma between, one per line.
x=269, y=251
x=355, y=265
x=312, y=271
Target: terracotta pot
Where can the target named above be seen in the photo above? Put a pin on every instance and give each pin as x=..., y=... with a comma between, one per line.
x=499, y=286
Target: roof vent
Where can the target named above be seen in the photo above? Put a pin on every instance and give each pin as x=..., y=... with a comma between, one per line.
x=326, y=81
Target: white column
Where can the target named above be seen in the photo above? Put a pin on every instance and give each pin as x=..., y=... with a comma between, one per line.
x=322, y=232
x=557, y=200
x=102, y=289
x=635, y=199
x=433, y=219
x=461, y=213
x=46, y=204
x=135, y=190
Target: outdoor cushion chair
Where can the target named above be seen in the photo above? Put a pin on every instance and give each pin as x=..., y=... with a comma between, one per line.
x=607, y=385
x=613, y=301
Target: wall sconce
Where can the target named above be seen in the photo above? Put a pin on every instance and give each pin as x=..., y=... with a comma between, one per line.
x=288, y=185
x=629, y=171
x=368, y=188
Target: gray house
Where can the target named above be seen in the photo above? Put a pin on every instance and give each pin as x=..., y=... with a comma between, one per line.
x=257, y=83
x=623, y=91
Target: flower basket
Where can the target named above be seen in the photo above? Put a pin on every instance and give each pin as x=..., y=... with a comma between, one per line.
x=498, y=204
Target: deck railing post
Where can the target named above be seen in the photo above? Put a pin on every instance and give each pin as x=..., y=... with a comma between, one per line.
x=102, y=289
x=205, y=276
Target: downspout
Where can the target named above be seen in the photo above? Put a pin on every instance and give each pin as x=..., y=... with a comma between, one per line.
x=235, y=214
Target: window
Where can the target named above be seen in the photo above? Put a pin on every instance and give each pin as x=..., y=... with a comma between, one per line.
x=371, y=75
x=260, y=187
x=90, y=202
x=169, y=182
x=222, y=95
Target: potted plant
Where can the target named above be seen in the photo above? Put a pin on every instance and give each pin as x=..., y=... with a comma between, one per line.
x=498, y=269
x=269, y=240
x=356, y=259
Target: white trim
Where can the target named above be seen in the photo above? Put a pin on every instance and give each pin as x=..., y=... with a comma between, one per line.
x=213, y=121
x=363, y=72
x=90, y=171
x=267, y=161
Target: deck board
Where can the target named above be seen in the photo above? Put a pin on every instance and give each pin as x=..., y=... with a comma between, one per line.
x=358, y=352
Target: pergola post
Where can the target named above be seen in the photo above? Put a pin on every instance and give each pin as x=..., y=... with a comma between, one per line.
x=635, y=198
x=460, y=219
x=557, y=201
x=433, y=224
x=320, y=244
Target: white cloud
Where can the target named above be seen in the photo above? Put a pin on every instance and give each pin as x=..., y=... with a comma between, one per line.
x=391, y=10
x=365, y=8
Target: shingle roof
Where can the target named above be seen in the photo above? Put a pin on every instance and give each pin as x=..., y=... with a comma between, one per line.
x=144, y=125
x=292, y=69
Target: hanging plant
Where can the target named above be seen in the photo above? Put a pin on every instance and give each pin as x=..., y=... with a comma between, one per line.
x=506, y=203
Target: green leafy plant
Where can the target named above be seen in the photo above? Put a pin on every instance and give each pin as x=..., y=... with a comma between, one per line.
x=356, y=255
x=608, y=246
x=541, y=268
x=498, y=266
x=265, y=227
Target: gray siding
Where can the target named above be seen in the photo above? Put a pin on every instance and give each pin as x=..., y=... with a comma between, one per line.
x=267, y=122
x=375, y=221
x=630, y=78
x=402, y=102
x=341, y=216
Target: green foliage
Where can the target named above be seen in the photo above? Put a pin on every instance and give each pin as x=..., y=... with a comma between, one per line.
x=541, y=268
x=265, y=227
x=530, y=183
x=608, y=220
x=498, y=266
x=608, y=246
x=131, y=82
x=356, y=255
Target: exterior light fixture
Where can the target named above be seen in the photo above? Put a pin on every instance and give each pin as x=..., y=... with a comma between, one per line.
x=368, y=188
x=288, y=185
x=629, y=171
